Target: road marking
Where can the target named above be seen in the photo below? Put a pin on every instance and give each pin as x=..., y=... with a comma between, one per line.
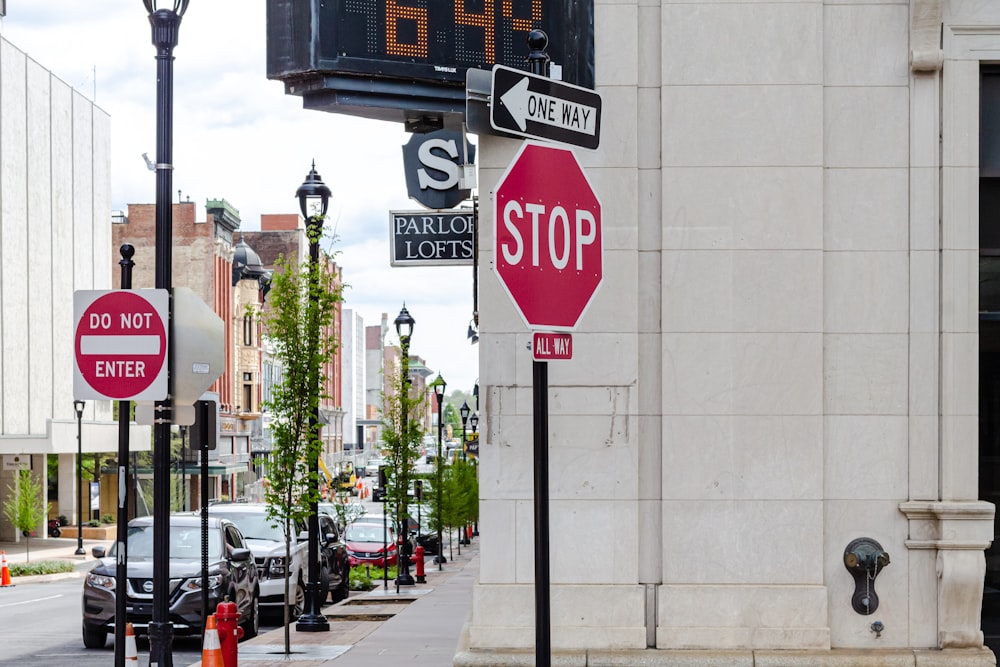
x=14, y=604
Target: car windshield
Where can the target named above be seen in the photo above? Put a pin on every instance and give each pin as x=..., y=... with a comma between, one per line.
x=255, y=526
x=185, y=542
x=364, y=532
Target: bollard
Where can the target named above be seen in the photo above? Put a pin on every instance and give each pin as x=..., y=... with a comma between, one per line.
x=418, y=556
x=227, y=617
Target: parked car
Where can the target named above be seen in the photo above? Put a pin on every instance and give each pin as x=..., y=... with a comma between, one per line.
x=370, y=542
x=231, y=572
x=371, y=468
x=266, y=539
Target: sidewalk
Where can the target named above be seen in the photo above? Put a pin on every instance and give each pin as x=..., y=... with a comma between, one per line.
x=51, y=548
x=420, y=627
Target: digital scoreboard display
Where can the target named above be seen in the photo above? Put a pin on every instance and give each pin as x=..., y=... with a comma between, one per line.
x=403, y=58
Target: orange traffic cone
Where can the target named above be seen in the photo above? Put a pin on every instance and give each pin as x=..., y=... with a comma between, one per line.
x=211, y=650
x=5, y=572
x=131, y=654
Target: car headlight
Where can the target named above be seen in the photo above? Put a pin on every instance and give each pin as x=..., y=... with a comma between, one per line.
x=276, y=568
x=101, y=581
x=214, y=581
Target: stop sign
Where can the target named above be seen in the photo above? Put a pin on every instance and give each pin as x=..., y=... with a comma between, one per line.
x=547, y=250
x=120, y=345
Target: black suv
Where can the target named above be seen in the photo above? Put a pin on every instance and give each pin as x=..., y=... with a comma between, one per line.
x=231, y=572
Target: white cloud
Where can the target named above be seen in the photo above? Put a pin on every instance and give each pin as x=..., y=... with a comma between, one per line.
x=238, y=136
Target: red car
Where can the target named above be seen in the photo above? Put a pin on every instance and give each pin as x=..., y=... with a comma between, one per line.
x=367, y=541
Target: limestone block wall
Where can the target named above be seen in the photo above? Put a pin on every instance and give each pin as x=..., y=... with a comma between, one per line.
x=783, y=355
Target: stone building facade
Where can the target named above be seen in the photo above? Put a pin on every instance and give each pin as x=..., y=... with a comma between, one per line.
x=54, y=239
x=789, y=351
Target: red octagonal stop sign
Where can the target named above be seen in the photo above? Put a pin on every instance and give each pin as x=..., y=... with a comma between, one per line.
x=547, y=250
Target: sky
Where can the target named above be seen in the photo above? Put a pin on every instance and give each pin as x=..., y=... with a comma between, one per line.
x=237, y=136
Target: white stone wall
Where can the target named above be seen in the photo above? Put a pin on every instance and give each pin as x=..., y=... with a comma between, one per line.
x=783, y=355
x=55, y=238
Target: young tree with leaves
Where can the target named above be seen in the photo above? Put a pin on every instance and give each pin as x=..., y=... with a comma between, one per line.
x=26, y=507
x=303, y=301
x=403, y=446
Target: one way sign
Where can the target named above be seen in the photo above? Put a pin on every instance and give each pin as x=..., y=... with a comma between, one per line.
x=537, y=107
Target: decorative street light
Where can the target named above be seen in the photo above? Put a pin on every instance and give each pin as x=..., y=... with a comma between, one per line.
x=439, y=386
x=314, y=198
x=464, y=411
x=474, y=422
x=404, y=329
x=78, y=405
x=166, y=25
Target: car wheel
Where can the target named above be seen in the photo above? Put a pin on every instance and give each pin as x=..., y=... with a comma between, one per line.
x=94, y=637
x=343, y=589
x=324, y=584
x=252, y=625
x=299, y=600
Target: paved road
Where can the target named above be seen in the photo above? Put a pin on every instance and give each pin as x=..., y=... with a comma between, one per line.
x=40, y=626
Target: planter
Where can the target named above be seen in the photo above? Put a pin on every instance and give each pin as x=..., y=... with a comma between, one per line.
x=103, y=532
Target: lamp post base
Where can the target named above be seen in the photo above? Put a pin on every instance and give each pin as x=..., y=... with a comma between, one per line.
x=80, y=551
x=312, y=619
x=312, y=623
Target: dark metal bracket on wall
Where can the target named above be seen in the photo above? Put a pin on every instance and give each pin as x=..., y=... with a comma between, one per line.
x=865, y=558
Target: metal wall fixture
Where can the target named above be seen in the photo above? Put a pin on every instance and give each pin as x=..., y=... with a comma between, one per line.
x=865, y=558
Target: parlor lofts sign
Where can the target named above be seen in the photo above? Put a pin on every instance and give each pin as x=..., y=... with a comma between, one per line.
x=432, y=238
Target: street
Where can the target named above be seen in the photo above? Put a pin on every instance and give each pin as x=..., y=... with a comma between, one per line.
x=40, y=625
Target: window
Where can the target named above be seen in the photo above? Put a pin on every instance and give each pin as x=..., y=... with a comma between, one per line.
x=248, y=329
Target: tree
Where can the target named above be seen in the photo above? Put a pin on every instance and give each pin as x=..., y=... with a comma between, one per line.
x=403, y=448
x=26, y=506
x=303, y=299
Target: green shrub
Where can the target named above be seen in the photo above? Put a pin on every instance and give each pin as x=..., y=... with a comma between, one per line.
x=107, y=518
x=39, y=567
x=364, y=578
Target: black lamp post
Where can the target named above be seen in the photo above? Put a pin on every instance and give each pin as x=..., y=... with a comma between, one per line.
x=439, y=386
x=404, y=329
x=474, y=422
x=464, y=411
x=314, y=197
x=166, y=26
x=78, y=406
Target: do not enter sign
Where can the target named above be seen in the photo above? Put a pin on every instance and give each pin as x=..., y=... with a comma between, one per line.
x=548, y=247
x=120, y=345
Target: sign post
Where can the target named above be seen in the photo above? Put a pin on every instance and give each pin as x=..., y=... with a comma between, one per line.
x=548, y=254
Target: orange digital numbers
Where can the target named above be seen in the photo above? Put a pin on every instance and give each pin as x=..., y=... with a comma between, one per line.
x=484, y=21
x=394, y=13
x=522, y=24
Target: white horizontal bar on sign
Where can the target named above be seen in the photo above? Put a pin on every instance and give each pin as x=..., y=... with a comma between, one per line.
x=127, y=345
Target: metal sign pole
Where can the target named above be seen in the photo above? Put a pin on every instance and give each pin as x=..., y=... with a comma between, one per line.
x=121, y=533
x=538, y=63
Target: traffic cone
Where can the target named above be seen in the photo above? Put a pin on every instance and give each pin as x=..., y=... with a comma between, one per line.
x=211, y=650
x=5, y=573
x=131, y=654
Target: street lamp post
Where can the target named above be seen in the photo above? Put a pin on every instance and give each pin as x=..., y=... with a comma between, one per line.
x=315, y=195
x=464, y=411
x=474, y=422
x=439, y=387
x=165, y=24
x=78, y=406
x=404, y=329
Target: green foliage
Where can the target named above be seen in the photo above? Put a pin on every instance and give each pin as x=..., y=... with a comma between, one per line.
x=401, y=439
x=39, y=567
x=303, y=300
x=26, y=507
x=459, y=499
x=365, y=578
